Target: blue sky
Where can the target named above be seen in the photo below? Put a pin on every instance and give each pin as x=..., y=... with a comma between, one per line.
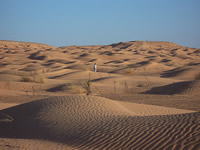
x=97, y=22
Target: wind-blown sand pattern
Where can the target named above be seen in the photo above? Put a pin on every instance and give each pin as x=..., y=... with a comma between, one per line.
x=145, y=95
x=186, y=87
x=87, y=122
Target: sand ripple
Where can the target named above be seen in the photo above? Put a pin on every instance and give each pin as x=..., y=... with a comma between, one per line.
x=87, y=122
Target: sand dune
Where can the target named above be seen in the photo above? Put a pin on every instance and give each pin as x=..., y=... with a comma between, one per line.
x=184, y=73
x=97, y=123
x=44, y=105
x=186, y=87
x=155, y=57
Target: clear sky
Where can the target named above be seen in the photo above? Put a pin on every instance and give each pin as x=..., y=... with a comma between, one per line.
x=97, y=22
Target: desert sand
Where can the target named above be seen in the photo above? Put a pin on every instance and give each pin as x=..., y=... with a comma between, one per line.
x=145, y=95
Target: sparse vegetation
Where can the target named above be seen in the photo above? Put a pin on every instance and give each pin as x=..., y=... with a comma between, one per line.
x=129, y=71
x=76, y=88
x=86, y=85
x=126, y=89
x=197, y=76
x=35, y=77
x=115, y=88
x=33, y=90
x=145, y=83
x=26, y=78
x=80, y=87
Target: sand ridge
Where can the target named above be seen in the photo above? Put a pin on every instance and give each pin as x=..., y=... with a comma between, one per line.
x=154, y=57
x=99, y=123
x=184, y=87
x=44, y=105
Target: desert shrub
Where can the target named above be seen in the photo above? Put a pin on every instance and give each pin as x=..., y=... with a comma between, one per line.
x=129, y=71
x=75, y=88
x=26, y=78
x=35, y=77
x=197, y=76
x=86, y=85
x=39, y=78
x=79, y=87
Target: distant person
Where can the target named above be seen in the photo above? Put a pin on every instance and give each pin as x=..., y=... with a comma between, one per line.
x=95, y=67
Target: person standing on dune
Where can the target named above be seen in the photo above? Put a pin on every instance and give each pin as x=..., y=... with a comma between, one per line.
x=95, y=67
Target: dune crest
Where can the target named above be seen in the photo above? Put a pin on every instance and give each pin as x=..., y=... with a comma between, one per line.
x=185, y=87
x=44, y=98
x=98, y=123
x=143, y=56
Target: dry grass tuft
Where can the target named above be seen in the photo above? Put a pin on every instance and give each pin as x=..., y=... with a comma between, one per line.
x=130, y=71
x=75, y=88
x=35, y=77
